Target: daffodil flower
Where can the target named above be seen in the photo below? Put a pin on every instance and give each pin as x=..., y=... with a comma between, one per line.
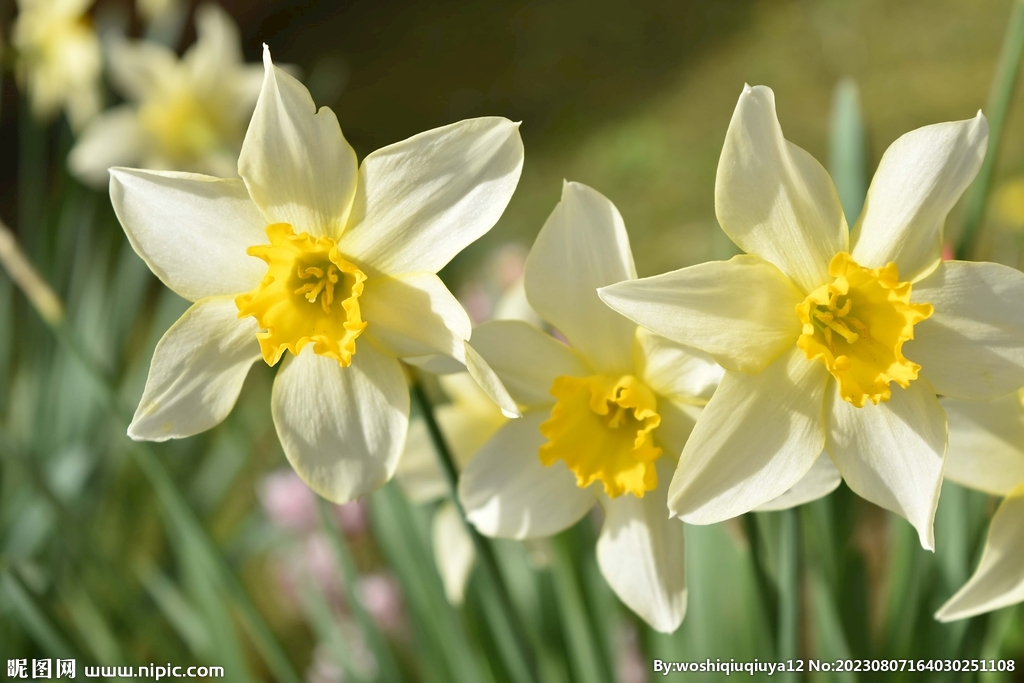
x=185, y=114
x=59, y=58
x=986, y=452
x=832, y=339
x=327, y=265
x=604, y=417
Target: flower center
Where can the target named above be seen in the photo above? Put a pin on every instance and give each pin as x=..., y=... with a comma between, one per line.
x=856, y=326
x=184, y=129
x=601, y=426
x=309, y=294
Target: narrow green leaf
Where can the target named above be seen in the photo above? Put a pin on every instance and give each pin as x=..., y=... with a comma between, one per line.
x=848, y=149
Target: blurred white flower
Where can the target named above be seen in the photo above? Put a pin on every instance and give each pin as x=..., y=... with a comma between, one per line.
x=986, y=452
x=185, y=114
x=811, y=322
x=346, y=286
x=59, y=59
x=603, y=419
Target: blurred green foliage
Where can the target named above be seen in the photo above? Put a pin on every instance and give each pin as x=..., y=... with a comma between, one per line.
x=119, y=554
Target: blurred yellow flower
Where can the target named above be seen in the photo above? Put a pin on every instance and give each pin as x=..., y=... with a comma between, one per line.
x=59, y=59
x=185, y=114
x=986, y=452
x=603, y=419
x=340, y=400
x=812, y=323
x=1008, y=205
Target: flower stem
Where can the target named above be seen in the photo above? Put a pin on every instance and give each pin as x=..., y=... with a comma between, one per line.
x=766, y=591
x=522, y=660
x=176, y=508
x=790, y=607
x=999, y=96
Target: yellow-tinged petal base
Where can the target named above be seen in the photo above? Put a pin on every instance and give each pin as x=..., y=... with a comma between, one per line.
x=856, y=326
x=309, y=294
x=602, y=427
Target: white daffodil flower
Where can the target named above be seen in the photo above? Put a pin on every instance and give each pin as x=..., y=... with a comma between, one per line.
x=811, y=322
x=185, y=114
x=603, y=419
x=331, y=262
x=986, y=452
x=59, y=59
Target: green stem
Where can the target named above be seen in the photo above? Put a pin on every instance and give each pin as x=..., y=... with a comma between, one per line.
x=389, y=670
x=523, y=661
x=586, y=656
x=789, y=588
x=766, y=591
x=1000, y=94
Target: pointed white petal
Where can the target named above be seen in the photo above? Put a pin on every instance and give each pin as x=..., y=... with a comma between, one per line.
x=197, y=371
x=423, y=200
x=820, y=481
x=508, y=493
x=490, y=382
x=756, y=438
x=583, y=246
x=742, y=311
x=342, y=428
x=640, y=552
x=892, y=453
x=675, y=371
x=919, y=179
x=414, y=315
x=296, y=163
x=774, y=199
x=973, y=345
x=999, y=578
x=191, y=230
x=986, y=443
x=453, y=551
x=114, y=138
x=526, y=359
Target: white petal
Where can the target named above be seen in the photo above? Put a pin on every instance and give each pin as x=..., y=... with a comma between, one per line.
x=218, y=47
x=999, y=578
x=423, y=200
x=414, y=315
x=342, y=428
x=892, y=453
x=677, y=422
x=419, y=474
x=583, y=246
x=675, y=371
x=453, y=551
x=774, y=199
x=140, y=68
x=640, y=552
x=114, y=138
x=296, y=163
x=507, y=492
x=742, y=311
x=820, y=481
x=986, y=443
x=191, y=230
x=973, y=345
x=526, y=359
x=919, y=179
x=197, y=372
x=489, y=381
x=756, y=438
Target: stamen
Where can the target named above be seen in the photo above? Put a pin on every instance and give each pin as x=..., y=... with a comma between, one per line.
x=846, y=333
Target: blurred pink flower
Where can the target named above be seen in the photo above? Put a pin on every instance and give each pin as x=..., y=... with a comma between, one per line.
x=948, y=253
x=352, y=517
x=288, y=502
x=382, y=597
